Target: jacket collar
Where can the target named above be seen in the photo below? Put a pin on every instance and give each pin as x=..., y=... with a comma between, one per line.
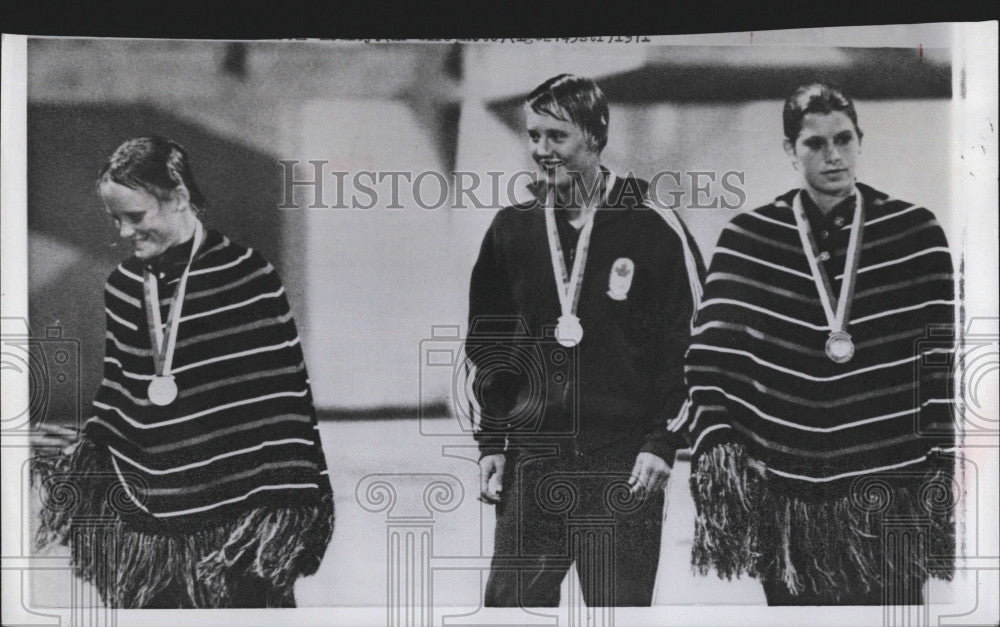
x=626, y=193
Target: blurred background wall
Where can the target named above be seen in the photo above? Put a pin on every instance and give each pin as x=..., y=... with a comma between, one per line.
x=369, y=286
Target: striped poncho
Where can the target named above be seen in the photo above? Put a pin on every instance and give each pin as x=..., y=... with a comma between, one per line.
x=230, y=476
x=800, y=463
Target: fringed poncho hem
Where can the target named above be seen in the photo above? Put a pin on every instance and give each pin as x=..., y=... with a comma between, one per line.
x=829, y=543
x=82, y=503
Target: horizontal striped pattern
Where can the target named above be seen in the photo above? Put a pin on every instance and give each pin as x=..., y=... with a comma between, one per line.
x=242, y=432
x=757, y=370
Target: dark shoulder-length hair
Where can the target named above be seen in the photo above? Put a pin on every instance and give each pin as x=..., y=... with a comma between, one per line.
x=155, y=164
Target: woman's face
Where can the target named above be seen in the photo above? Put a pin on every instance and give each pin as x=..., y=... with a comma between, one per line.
x=826, y=153
x=561, y=149
x=151, y=226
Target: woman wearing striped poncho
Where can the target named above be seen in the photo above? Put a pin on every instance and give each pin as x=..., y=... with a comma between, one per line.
x=199, y=480
x=820, y=381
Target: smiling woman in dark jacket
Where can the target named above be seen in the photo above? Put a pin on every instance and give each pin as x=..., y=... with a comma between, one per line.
x=580, y=309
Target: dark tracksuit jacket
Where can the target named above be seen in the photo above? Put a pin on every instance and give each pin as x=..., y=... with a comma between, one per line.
x=621, y=388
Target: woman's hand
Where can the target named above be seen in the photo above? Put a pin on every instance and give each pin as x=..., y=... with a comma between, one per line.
x=69, y=449
x=649, y=474
x=491, y=469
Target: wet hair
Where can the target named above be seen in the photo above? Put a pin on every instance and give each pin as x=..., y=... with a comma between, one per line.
x=155, y=164
x=578, y=98
x=817, y=97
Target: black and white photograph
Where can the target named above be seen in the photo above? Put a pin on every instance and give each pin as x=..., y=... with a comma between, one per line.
x=600, y=330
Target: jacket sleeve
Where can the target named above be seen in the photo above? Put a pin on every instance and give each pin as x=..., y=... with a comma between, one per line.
x=668, y=423
x=492, y=325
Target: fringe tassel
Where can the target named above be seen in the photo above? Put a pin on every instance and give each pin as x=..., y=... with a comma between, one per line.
x=73, y=484
x=81, y=500
x=723, y=490
x=258, y=544
x=827, y=545
x=788, y=574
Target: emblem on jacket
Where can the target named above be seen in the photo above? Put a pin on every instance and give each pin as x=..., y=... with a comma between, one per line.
x=620, y=280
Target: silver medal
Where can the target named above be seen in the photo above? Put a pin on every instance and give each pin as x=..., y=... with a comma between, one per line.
x=162, y=390
x=840, y=347
x=837, y=309
x=568, y=331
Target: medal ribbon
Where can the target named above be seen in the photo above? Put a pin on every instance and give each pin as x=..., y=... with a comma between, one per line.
x=837, y=320
x=567, y=285
x=163, y=355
